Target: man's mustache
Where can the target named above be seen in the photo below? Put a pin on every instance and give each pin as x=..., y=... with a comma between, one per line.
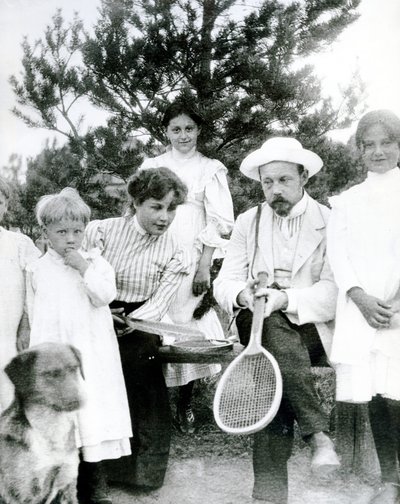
x=278, y=199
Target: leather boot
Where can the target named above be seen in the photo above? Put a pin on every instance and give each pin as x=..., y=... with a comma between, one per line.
x=92, y=484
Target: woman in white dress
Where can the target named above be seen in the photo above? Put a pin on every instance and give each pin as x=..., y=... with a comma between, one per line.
x=200, y=224
x=68, y=293
x=16, y=251
x=364, y=252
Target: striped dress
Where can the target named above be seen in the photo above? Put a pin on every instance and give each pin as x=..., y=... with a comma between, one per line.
x=147, y=267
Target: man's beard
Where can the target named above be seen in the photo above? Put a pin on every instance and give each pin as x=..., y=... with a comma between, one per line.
x=281, y=206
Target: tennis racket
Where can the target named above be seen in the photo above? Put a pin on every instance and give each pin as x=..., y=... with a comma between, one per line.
x=249, y=392
x=160, y=328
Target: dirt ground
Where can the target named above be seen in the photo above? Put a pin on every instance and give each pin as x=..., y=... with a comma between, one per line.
x=211, y=467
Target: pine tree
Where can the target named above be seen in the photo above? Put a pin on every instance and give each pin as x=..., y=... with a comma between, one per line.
x=247, y=74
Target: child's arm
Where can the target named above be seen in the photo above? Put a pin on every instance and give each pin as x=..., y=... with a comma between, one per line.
x=98, y=277
x=99, y=281
x=158, y=303
x=23, y=334
x=376, y=312
x=29, y=294
x=74, y=259
x=201, y=280
x=394, y=302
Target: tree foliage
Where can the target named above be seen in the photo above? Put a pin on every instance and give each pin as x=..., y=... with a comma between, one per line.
x=51, y=84
x=242, y=73
x=58, y=167
x=246, y=73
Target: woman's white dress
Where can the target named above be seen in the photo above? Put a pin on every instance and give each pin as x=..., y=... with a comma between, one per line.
x=67, y=308
x=16, y=251
x=364, y=251
x=202, y=220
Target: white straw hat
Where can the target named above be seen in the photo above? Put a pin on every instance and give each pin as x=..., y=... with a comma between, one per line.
x=280, y=149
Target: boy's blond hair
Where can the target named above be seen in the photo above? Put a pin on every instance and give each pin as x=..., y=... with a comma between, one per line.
x=67, y=204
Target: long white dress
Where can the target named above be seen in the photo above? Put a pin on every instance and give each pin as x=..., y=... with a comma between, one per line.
x=202, y=220
x=16, y=251
x=67, y=308
x=364, y=251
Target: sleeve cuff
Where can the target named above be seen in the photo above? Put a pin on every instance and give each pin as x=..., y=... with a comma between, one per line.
x=235, y=304
x=293, y=302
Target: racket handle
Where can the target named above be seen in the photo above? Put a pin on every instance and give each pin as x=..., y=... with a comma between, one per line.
x=262, y=278
x=259, y=303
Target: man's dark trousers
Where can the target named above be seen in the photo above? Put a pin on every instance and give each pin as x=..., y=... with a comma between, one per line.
x=296, y=349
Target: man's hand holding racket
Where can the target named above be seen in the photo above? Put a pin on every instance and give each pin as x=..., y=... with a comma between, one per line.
x=245, y=298
x=275, y=299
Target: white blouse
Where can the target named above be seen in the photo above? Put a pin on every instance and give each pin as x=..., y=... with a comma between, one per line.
x=208, y=213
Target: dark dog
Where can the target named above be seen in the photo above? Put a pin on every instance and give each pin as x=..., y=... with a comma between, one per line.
x=38, y=454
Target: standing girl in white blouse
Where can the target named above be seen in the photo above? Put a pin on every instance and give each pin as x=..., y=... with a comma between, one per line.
x=68, y=293
x=16, y=251
x=364, y=252
x=199, y=224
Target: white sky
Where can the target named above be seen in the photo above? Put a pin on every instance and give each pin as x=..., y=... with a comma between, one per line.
x=371, y=45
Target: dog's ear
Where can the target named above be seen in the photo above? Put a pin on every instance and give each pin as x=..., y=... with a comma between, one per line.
x=19, y=370
x=78, y=357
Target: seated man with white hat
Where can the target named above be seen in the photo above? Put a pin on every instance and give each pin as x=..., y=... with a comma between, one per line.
x=286, y=237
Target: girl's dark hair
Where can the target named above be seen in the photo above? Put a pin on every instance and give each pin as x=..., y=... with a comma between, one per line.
x=178, y=108
x=386, y=118
x=156, y=183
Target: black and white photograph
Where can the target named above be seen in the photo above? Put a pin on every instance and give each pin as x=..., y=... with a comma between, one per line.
x=199, y=252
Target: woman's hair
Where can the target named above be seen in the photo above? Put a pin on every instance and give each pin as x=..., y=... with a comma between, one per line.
x=67, y=204
x=386, y=118
x=5, y=189
x=156, y=183
x=178, y=108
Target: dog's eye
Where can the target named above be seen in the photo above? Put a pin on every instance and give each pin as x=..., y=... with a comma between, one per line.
x=54, y=373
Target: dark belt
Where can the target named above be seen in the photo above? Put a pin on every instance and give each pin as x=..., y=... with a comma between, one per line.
x=128, y=307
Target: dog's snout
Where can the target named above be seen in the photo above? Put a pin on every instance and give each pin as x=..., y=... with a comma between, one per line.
x=72, y=396
x=60, y=386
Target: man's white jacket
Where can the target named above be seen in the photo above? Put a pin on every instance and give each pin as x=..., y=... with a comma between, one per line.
x=312, y=295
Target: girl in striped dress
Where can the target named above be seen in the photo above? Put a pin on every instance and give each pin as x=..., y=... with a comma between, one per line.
x=150, y=265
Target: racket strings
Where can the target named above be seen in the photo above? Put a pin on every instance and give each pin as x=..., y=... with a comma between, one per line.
x=249, y=392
